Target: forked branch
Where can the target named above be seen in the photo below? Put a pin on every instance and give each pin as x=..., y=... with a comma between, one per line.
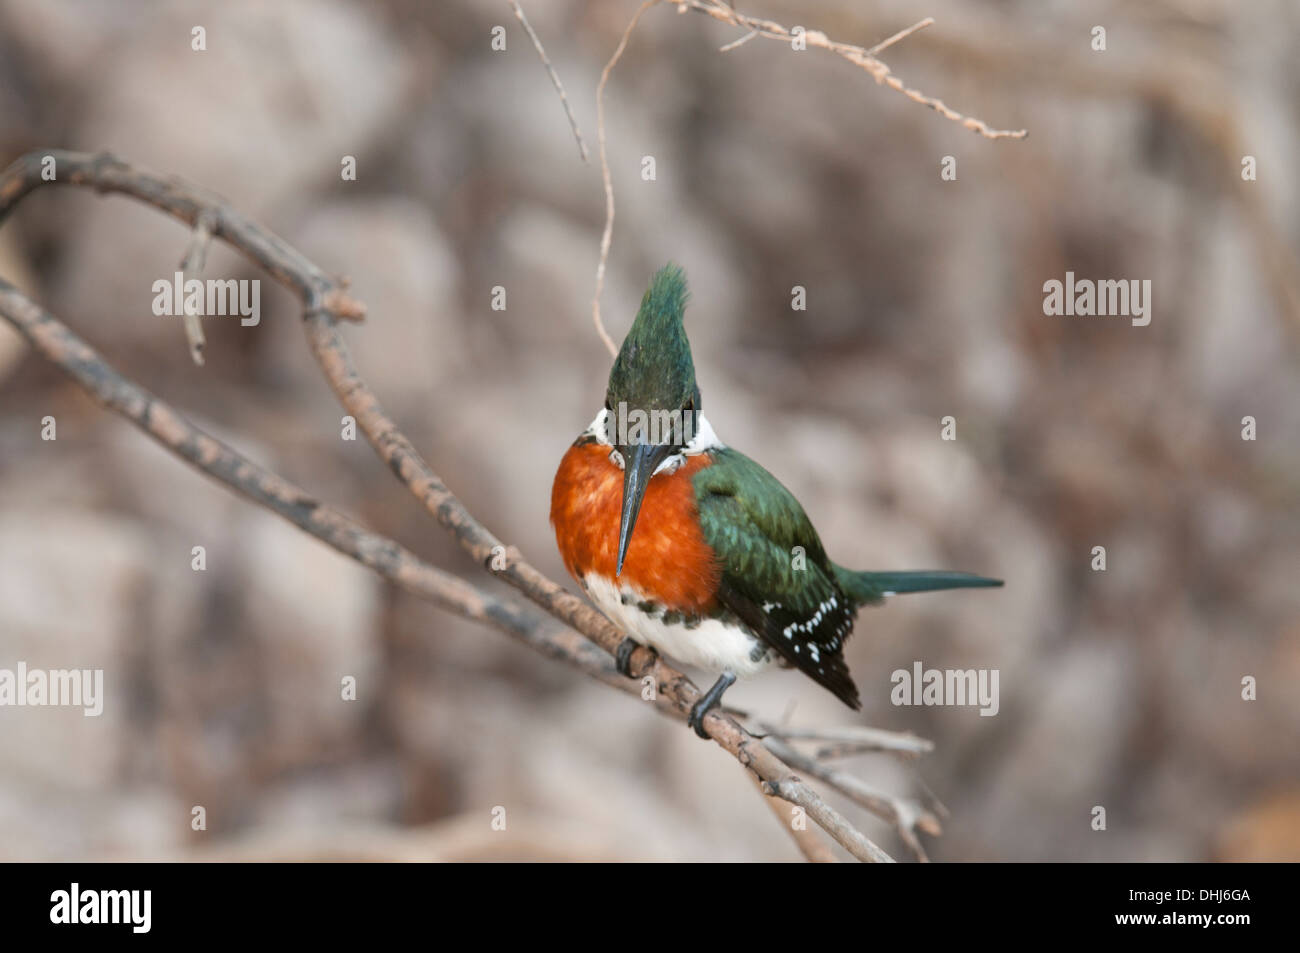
x=326, y=301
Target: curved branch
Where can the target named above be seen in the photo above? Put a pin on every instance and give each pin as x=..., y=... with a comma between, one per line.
x=61, y=347
x=325, y=301
x=608, y=233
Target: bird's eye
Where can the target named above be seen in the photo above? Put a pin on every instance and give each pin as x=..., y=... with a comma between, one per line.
x=616, y=458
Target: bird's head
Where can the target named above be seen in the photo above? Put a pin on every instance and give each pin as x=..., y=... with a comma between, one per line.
x=653, y=402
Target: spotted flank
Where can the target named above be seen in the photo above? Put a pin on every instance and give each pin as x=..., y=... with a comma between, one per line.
x=812, y=643
x=715, y=644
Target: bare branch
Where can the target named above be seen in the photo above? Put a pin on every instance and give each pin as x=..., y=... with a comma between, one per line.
x=325, y=302
x=814, y=849
x=795, y=791
x=864, y=58
x=907, y=815
x=555, y=78
x=60, y=346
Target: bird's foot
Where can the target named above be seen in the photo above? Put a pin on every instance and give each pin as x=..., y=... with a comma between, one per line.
x=709, y=702
x=623, y=657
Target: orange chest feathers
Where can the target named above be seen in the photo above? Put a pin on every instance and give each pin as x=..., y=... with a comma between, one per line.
x=667, y=557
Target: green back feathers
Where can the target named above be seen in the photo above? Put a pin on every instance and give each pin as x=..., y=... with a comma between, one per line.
x=769, y=509
x=654, y=370
x=775, y=574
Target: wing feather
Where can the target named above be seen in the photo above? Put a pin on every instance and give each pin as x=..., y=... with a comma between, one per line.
x=775, y=574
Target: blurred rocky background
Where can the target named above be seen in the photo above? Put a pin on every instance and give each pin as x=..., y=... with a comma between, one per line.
x=774, y=168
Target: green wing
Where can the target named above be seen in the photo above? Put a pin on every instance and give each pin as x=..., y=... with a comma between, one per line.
x=775, y=574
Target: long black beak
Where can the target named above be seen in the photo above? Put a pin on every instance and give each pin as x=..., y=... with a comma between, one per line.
x=639, y=463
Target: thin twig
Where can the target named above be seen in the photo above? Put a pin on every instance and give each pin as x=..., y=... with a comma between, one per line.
x=608, y=234
x=853, y=739
x=795, y=791
x=900, y=36
x=192, y=267
x=854, y=54
x=555, y=78
x=907, y=816
x=342, y=305
x=738, y=43
x=814, y=849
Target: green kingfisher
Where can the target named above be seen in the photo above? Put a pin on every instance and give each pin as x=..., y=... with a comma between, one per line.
x=692, y=548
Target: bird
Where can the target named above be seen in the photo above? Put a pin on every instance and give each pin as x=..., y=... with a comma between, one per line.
x=689, y=546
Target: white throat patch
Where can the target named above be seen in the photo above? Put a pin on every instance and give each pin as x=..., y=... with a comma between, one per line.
x=704, y=438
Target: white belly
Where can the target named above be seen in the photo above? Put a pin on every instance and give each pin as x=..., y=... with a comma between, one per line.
x=711, y=645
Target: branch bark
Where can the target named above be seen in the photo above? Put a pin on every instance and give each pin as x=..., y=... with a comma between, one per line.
x=60, y=346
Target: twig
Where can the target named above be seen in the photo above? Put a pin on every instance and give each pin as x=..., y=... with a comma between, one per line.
x=854, y=54
x=342, y=305
x=555, y=78
x=853, y=739
x=900, y=36
x=794, y=790
x=907, y=816
x=324, y=300
x=62, y=347
x=738, y=43
x=814, y=849
x=608, y=233
x=192, y=266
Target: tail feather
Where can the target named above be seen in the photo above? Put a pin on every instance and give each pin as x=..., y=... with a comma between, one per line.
x=871, y=587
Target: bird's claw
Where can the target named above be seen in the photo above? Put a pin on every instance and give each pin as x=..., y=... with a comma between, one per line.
x=623, y=657
x=708, y=702
x=696, y=718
